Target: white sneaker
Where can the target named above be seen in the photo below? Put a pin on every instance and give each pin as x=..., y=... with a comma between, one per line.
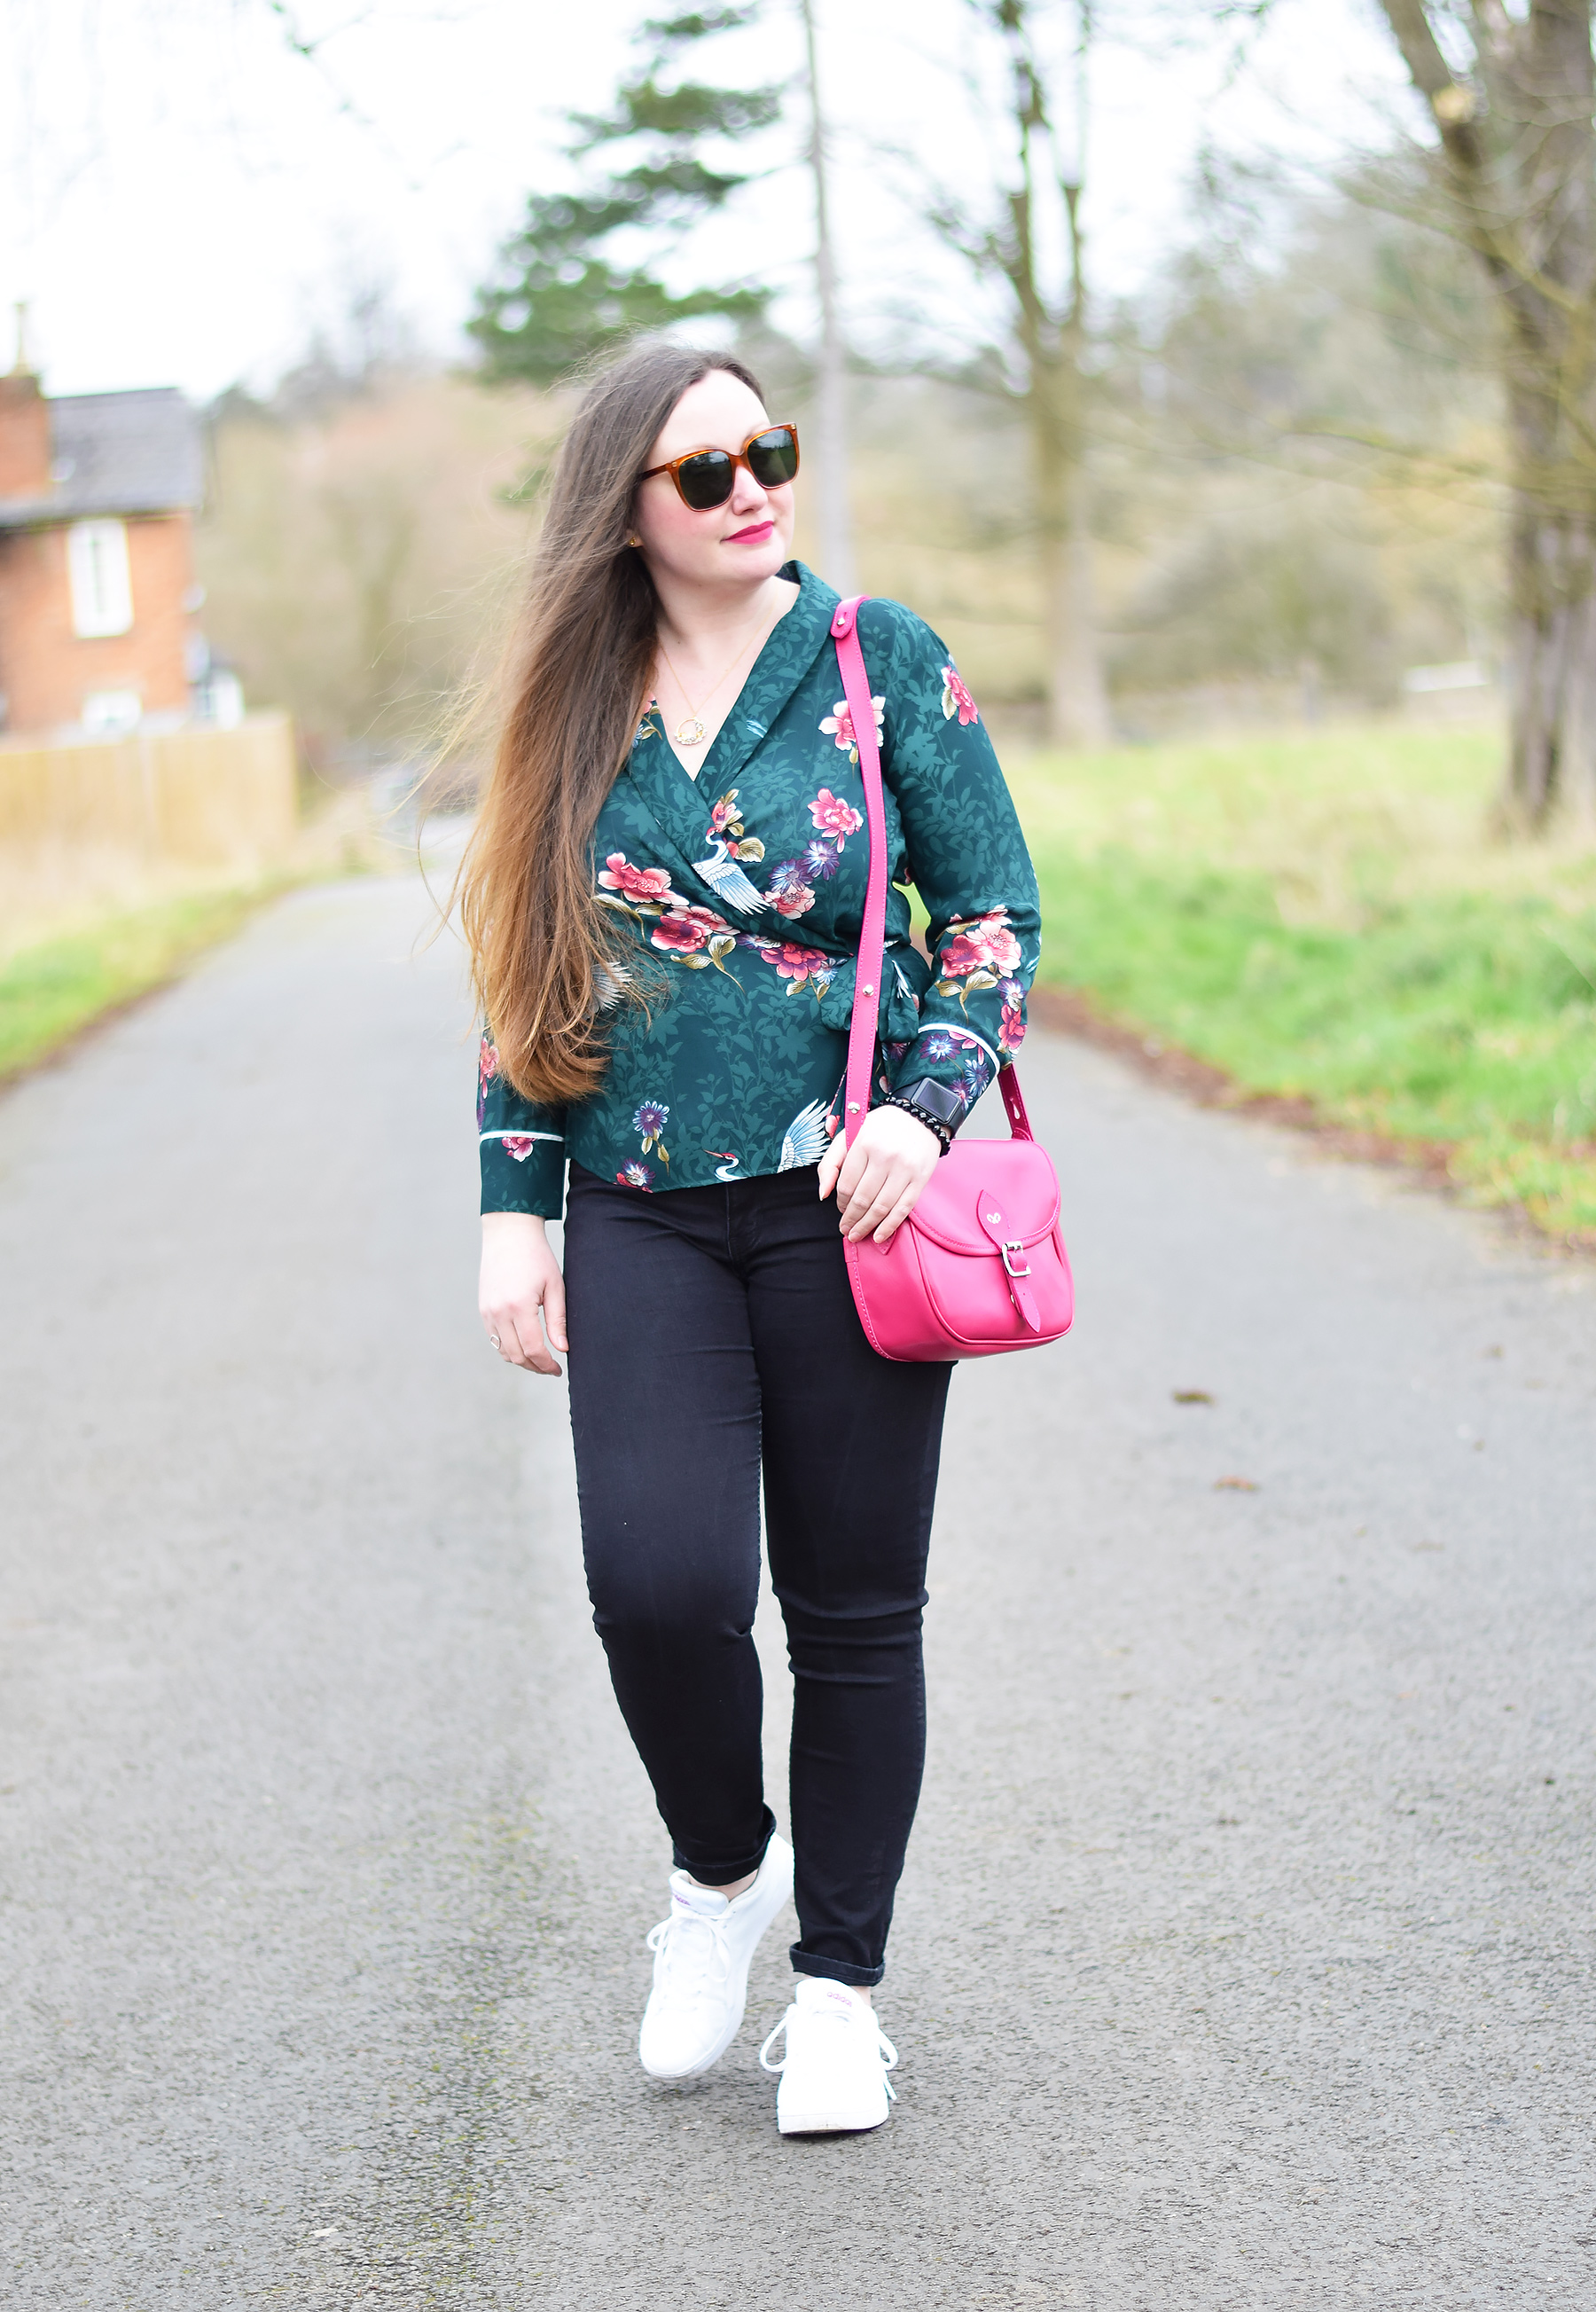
x=834, y=2074
x=702, y=1954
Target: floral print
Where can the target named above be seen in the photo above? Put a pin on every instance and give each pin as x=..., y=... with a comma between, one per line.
x=786, y=890
x=971, y=1070
x=956, y=698
x=643, y=886
x=487, y=1068
x=679, y=927
x=791, y=887
x=837, y=819
x=720, y=1055
x=1011, y=1023
x=651, y=1120
x=801, y=967
x=838, y=726
x=726, y=820
x=985, y=945
x=976, y=956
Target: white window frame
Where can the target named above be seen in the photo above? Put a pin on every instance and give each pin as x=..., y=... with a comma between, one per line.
x=101, y=578
x=111, y=714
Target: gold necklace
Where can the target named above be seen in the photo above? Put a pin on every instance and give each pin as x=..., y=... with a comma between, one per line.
x=691, y=731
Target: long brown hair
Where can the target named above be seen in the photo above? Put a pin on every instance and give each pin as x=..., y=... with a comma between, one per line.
x=543, y=957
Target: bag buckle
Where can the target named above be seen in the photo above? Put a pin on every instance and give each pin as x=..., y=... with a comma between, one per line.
x=1011, y=1245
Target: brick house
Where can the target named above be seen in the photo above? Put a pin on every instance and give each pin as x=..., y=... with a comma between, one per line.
x=97, y=593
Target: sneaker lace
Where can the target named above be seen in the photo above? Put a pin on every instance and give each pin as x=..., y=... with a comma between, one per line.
x=884, y=2046
x=670, y=1937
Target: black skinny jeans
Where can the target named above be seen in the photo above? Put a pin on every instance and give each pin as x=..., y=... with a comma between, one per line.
x=713, y=1331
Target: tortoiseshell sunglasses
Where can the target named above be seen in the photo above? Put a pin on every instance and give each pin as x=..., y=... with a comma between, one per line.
x=706, y=477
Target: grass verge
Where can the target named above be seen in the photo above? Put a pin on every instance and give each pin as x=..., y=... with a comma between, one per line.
x=51, y=991
x=1324, y=921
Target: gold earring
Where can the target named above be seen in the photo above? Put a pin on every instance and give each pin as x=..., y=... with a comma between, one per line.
x=633, y=541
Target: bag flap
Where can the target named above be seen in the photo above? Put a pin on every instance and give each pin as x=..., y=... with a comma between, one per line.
x=1016, y=1175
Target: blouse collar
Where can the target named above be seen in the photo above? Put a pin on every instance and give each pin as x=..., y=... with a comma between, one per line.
x=790, y=650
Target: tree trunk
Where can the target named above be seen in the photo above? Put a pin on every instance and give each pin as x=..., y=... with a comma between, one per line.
x=836, y=522
x=1551, y=660
x=1518, y=134
x=1077, y=711
x=1551, y=588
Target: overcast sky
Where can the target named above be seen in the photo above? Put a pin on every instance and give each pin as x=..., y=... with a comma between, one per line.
x=186, y=196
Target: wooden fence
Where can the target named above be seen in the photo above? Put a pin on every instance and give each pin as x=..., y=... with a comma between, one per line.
x=192, y=798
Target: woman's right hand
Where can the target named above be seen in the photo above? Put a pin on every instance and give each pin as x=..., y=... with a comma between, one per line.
x=519, y=1276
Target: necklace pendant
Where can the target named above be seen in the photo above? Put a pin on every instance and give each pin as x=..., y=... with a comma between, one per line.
x=691, y=733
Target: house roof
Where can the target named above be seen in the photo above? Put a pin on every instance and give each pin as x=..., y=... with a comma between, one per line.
x=137, y=452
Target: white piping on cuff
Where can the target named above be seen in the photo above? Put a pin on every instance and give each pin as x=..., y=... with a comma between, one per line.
x=945, y=1026
x=509, y=1132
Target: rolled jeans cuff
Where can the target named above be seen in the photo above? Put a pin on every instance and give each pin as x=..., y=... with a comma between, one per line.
x=835, y=1970
x=720, y=1873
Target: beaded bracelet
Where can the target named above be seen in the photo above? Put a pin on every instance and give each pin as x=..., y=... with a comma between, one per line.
x=922, y=1116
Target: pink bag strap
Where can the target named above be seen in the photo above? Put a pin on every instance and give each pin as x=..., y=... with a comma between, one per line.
x=867, y=992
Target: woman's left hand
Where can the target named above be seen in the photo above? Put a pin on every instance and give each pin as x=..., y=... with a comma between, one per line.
x=878, y=1180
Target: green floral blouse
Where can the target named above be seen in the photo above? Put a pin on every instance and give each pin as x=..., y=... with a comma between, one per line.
x=746, y=889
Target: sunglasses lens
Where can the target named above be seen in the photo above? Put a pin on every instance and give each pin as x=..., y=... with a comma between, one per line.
x=773, y=458
x=706, y=480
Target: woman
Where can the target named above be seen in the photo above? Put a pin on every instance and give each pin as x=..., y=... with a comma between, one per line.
x=663, y=898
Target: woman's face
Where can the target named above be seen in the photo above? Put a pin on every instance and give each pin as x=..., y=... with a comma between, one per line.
x=739, y=544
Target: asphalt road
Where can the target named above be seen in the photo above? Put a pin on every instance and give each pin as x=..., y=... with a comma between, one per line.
x=1243, y=1958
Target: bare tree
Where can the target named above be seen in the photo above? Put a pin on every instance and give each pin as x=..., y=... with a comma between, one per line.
x=830, y=395
x=1044, y=368
x=1513, y=97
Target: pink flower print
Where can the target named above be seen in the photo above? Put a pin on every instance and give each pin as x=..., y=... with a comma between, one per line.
x=833, y=816
x=1002, y=949
x=677, y=933
x=635, y=1175
x=986, y=943
x=722, y=813
x=956, y=699
x=518, y=1144
x=959, y=955
x=643, y=886
x=1011, y=1026
x=800, y=964
x=707, y=918
x=487, y=1068
x=838, y=725
x=685, y=930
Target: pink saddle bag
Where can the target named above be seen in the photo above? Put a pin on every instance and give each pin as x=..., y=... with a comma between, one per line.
x=979, y=1267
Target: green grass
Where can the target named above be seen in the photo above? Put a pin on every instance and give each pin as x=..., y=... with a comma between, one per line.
x=1326, y=917
x=50, y=991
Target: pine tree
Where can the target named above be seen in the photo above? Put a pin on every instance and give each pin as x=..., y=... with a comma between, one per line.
x=560, y=296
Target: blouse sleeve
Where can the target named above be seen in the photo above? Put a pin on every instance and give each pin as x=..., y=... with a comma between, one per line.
x=964, y=853
x=521, y=1143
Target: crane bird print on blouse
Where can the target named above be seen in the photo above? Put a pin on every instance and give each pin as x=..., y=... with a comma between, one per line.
x=727, y=879
x=808, y=1137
